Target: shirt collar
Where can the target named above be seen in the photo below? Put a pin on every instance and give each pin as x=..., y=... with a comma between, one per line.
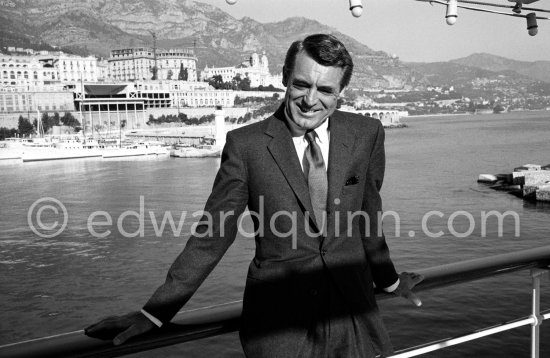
x=322, y=132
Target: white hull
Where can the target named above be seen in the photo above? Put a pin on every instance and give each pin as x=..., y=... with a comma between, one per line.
x=44, y=154
x=12, y=156
x=134, y=152
x=195, y=153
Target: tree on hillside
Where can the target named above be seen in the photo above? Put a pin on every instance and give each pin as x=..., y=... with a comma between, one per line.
x=182, y=117
x=245, y=84
x=236, y=81
x=49, y=121
x=24, y=127
x=45, y=122
x=7, y=132
x=154, y=71
x=69, y=120
x=216, y=81
x=183, y=74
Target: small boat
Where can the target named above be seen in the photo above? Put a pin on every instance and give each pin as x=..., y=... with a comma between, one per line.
x=201, y=151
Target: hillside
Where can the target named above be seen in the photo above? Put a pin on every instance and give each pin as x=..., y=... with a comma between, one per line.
x=474, y=82
x=97, y=27
x=537, y=70
x=454, y=74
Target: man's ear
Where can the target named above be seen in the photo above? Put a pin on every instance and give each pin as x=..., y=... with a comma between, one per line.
x=285, y=76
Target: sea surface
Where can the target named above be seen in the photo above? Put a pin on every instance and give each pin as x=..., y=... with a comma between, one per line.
x=51, y=285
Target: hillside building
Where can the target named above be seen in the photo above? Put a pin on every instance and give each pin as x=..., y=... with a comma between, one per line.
x=46, y=68
x=72, y=68
x=29, y=99
x=256, y=69
x=41, y=81
x=137, y=63
x=25, y=71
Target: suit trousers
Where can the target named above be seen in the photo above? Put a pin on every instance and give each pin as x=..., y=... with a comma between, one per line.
x=341, y=332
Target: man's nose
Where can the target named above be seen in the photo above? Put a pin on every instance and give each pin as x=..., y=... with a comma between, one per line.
x=311, y=97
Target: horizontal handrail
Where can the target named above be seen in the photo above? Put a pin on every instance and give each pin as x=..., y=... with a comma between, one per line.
x=479, y=333
x=220, y=319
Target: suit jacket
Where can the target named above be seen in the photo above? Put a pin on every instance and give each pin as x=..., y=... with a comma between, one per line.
x=284, y=288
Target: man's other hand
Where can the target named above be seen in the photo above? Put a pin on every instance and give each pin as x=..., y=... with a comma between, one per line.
x=121, y=328
x=407, y=280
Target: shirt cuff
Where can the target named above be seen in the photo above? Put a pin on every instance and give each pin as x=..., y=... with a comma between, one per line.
x=392, y=287
x=152, y=318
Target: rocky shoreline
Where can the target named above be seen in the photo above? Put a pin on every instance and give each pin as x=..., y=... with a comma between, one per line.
x=530, y=182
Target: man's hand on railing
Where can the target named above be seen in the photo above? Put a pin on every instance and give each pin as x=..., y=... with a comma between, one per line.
x=121, y=328
x=407, y=280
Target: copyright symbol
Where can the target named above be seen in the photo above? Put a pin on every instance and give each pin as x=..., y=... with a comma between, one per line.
x=51, y=209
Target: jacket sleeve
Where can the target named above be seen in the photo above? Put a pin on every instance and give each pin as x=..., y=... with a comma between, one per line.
x=374, y=242
x=214, y=234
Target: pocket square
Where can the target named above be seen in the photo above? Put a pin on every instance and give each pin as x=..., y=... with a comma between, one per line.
x=352, y=180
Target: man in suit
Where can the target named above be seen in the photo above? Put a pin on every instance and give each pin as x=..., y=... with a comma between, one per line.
x=313, y=175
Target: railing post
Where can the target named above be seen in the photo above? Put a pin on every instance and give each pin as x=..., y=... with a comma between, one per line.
x=536, y=274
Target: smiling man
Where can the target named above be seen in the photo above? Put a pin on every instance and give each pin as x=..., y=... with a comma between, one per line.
x=312, y=89
x=315, y=174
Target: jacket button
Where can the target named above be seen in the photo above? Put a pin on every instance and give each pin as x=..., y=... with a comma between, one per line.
x=323, y=252
x=313, y=292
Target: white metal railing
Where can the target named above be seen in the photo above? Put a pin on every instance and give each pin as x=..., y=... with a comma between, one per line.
x=535, y=320
x=220, y=319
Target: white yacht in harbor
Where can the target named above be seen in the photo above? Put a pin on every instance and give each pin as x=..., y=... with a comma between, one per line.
x=201, y=151
x=15, y=150
x=136, y=149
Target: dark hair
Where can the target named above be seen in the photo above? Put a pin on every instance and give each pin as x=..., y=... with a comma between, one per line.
x=326, y=50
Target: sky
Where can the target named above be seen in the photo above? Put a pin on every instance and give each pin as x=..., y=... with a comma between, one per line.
x=414, y=31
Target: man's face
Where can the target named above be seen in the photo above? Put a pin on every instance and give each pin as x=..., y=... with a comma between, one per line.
x=312, y=92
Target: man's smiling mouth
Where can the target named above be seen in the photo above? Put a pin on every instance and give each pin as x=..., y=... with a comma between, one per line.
x=307, y=110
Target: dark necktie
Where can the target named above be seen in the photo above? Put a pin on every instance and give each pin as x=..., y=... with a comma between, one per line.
x=316, y=174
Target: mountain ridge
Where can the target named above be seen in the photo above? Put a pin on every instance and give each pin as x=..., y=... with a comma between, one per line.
x=96, y=27
x=537, y=70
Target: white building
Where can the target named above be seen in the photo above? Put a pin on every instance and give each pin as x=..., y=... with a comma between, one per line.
x=102, y=70
x=174, y=94
x=72, y=68
x=48, y=98
x=41, y=81
x=46, y=68
x=25, y=71
x=137, y=64
x=179, y=94
x=256, y=69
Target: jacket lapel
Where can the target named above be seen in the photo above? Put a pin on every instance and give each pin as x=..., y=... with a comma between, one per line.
x=282, y=149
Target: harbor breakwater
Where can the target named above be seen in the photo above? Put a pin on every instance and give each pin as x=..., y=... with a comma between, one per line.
x=529, y=181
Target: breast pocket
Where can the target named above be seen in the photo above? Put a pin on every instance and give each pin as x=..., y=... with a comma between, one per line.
x=350, y=189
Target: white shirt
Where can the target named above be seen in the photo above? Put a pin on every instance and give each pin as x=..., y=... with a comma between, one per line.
x=322, y=138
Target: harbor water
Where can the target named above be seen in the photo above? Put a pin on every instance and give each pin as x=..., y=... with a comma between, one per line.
x=50, y=285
